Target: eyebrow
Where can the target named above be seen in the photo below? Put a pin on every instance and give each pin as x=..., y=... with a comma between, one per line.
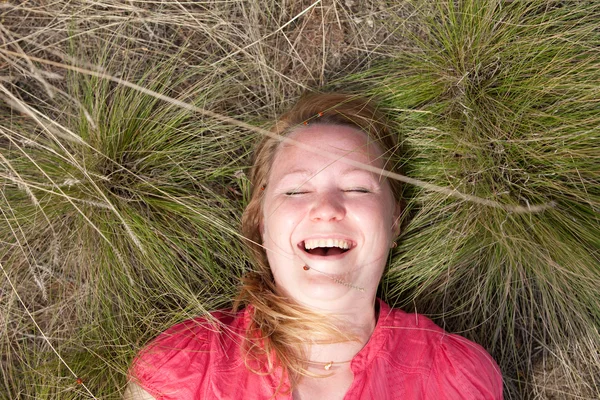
x=307, y=174
x=301, y=172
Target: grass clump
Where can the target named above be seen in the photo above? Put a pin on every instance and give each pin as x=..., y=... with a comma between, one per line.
x=121, y=215
x=501, y=102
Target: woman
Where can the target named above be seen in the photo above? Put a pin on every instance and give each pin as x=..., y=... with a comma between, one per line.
x=320, y=228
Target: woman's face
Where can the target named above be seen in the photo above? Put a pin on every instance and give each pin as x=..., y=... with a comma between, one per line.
x=335, y=218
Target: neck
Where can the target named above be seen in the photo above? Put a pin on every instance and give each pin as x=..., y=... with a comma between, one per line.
x=358, y=321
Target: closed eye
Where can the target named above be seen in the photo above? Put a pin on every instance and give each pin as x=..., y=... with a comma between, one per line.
x=358, y=190
x=294, y=193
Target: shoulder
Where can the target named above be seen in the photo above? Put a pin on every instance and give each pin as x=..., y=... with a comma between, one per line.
x=451, y=365
x=176, y=363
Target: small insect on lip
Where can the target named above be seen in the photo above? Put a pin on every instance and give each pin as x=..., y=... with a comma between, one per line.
x=306, y=268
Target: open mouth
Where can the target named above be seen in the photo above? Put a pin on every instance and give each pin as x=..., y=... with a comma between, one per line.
x=325, y=247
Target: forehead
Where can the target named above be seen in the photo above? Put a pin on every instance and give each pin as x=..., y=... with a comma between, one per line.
x=336, y=140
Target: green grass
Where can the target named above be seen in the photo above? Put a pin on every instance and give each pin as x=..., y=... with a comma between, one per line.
x=122, y=231
x=120, y=211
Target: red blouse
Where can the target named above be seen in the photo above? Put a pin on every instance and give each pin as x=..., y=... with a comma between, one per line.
x=407, y=357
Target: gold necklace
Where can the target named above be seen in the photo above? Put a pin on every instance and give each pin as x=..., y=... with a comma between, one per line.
x=327, y=365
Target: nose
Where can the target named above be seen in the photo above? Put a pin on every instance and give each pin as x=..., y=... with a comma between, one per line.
x=328, y=207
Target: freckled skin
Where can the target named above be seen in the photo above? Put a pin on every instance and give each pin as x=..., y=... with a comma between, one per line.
x=309, y=196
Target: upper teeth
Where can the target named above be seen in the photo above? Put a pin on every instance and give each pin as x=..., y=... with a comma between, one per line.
x=314, y=243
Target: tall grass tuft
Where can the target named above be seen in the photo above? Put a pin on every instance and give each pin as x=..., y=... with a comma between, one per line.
x=501, y=100
x=118, y=217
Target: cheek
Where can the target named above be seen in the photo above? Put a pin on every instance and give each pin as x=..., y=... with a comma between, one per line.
x=374, y=212
x=376, y=219
x=280, y=217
